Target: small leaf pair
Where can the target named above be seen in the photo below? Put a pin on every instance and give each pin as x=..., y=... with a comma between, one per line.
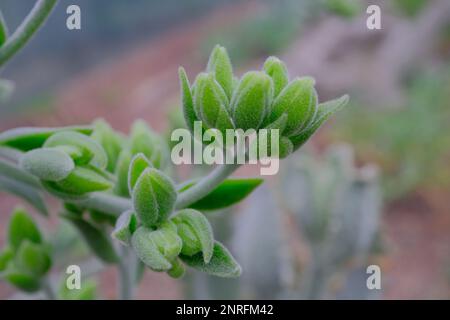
x=158, y=249
x=188, y=235
x=153, y=193
x=70, y=165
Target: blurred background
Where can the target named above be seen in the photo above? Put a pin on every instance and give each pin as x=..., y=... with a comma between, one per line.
x=371, y=188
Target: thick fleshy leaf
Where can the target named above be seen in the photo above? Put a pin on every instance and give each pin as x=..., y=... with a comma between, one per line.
x=228, y=193
x=144, y=140
x=211, y=103
x=167, y=240
x=138, y=164
x=54, y=189
x=47, y=164
x=219, y=64
x=222, y=263
x=154, y=197
x=177, y=270
x=6, y=256
x=251, y=100
x=91, y=151
x=196, y=233
x=122, y=168
x=299, y=101
x=3, y=30
x=22, y=280
x=33, y=259
x=97, y=240
x=110, y=141
x=83, y=180
x=147, y=250
x=125, y=226
x=24, y=191
x=26, y=139
x=187, y=100
x=325, y=110
x=277, y=70
x=22, y=227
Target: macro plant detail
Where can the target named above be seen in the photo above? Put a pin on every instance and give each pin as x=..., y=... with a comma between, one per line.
x=116, y=189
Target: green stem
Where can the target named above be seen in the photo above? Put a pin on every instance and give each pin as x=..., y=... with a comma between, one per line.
x=27, y=28
x=116, y=205
x=105, y=202
x=127, y=276
x=205, y=185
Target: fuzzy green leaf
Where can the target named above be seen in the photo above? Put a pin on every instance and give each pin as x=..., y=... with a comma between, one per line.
x=22, y=227
x=26, y=139
x=299, y=101
x=83, y=180
x=97, y=240
x=177, y=270
x=54, y=189
x=138, y=164
x=125, y=226
x=228, y=193
x=91, y=151
x=47, y=164
x=22, y=280
x=154, y=197
x=251, y=100
x=219, y=64
x=144, y=140
x=187, y=100
x=196, y=233
x=33, y=259
x=122, y=168
x=147, y=250
x=222, y=263
x=211, y=103
x=110, y=141
x=325, y=110
x=277, y=70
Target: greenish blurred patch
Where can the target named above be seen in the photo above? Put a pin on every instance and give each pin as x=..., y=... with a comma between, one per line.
x=411, y=143
x=265, y=33
x=344, y=8
x=37, y=104
x=410, y=8
x=67, y=244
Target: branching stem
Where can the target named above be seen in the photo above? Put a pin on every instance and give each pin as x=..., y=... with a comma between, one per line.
x=27, y=29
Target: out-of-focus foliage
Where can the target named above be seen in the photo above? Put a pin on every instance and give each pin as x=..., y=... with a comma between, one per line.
x=337, y=207
x=344, y=8
x=411, y=143
x=265, y=32
x=410, y=7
